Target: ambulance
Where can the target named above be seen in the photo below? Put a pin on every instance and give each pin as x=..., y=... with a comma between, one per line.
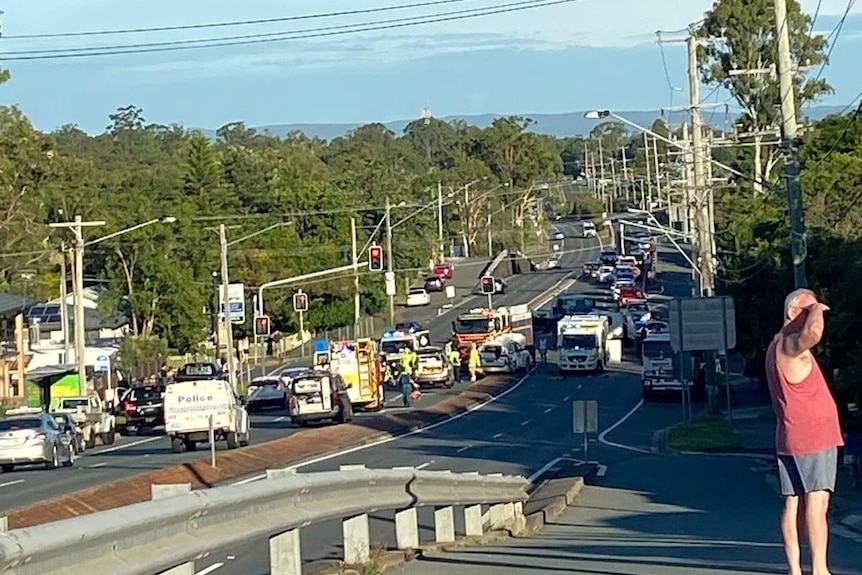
x=582, y=343
x=357, y=363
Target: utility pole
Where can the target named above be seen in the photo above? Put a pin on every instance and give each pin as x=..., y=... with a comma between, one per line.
x=625, y=171
x=656, y=165
x=228, y=326
x=64, y=307
x=701, y=191
x=440, y=239
x=790, y=144
x=354, y=255
x=77, y=228
x=390, y=259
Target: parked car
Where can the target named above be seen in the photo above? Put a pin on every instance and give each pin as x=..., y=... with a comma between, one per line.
x=266, y=393
x=418, y=297
x=34, y=439
x=434, y=283
x=141, y=407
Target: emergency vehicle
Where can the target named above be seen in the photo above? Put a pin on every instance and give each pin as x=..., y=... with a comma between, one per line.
x=395, y=342
x=582, y=343
x=482, y=324
x=358, y=364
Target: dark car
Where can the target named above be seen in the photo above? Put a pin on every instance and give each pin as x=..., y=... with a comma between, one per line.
x=500, y=286
x=141, y=407
x=608, y=257
x=199, y=370
x=434, y=283
x=267, y=393
x=67, y=425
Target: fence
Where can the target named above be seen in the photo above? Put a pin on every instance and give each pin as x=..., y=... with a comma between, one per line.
x=165, y=537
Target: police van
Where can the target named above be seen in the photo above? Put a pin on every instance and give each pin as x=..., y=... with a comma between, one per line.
x=195, y=408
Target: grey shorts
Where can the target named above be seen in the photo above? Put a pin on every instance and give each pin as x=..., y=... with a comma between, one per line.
x=801, y=474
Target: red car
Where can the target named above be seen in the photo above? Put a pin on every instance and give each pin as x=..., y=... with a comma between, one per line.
x=444, y=271
x=630, y=293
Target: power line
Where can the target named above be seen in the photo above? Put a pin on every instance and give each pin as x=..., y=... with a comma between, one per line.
x=311, y=33
x=232, y=23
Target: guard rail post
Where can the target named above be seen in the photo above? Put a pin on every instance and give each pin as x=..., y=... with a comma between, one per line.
x=473, y=521
x=444, y=525
x=406, y=525
x=356, y=532
x=162, y=491
x=285, y=553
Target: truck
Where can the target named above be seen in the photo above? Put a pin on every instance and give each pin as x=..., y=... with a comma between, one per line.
x=480, y=325
x=582, y=343
x=658, y=374
x=358, y=364
x=196, y=409
x=90, y=416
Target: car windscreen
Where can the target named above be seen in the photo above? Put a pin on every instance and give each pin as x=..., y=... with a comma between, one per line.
x=306, y=386
x=395, y=346
x=579, y=341
x=21, y=423
x=145, y=394
x=657, y=349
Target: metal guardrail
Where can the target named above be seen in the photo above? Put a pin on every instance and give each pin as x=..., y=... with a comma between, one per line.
x=166, y=535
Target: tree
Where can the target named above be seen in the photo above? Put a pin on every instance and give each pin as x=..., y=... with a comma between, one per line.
x=739, y=41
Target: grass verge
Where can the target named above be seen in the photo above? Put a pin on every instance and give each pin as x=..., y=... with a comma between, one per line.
x=706, y=433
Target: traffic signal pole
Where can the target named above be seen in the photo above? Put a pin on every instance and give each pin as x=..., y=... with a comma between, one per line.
x=390, y=259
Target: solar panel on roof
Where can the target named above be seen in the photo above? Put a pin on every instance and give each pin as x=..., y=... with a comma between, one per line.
x=36, y=310
x=52, y=309
x=53, y=319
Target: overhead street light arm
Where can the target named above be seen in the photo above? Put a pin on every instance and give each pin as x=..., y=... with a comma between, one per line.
x=259, y=232
x=165, y=220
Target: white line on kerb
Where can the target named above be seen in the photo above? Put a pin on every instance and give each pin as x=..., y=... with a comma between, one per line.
x=603, y=435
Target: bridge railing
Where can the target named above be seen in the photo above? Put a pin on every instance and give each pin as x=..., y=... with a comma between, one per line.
x=166, y=535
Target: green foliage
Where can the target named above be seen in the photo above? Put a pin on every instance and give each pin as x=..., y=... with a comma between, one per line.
x=138, y=350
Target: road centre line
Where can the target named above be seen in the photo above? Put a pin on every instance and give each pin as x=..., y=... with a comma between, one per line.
x=127, y=445
x=497, y=436
x=549, y=410
x=10, y=483
x=210, y=569
x=526, y=422
x=97, y=465
x=426, y=464
x=463, y=449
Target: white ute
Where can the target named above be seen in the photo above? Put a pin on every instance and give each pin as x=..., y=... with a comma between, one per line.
x=89, y=414
x=191, y=407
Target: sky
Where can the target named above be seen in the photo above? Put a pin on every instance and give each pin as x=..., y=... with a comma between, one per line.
x=569, y=57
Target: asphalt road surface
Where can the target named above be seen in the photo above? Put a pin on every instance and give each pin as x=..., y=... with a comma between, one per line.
x=133, y=455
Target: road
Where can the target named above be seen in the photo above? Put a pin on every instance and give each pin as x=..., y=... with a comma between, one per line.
x=708, y=515
x=134, y=455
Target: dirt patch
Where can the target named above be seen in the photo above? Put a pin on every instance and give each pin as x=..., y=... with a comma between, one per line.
x=254, y=459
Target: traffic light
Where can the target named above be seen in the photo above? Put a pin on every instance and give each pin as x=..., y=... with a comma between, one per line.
x=300, y=302
x=375, y=259
x=262, y=325
x=488, y=284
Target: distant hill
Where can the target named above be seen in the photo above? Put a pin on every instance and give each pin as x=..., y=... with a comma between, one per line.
x=559, y=125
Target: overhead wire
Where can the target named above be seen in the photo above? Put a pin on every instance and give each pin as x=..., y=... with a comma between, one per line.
x=232, y=23
x=273, y=37
x=836, y=32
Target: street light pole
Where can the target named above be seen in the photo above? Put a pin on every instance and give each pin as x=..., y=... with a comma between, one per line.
x=390, y=259
x=225, y=297
x=440, y=239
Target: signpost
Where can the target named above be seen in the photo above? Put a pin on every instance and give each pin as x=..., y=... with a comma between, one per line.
x=585, y=420
x=704, y=324
x=236, y=300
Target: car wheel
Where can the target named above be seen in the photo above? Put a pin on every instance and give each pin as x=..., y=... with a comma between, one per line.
x=177, y=445
x=70, y=461
x=52, y=463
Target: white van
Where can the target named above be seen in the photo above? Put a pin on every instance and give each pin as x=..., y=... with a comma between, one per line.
x=190, y=408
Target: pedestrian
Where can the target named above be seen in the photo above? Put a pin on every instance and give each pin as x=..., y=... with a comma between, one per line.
x=406, y=383
x=852, y=453
x=474, y=362
x=808, y=432
x=543, y=348
x=454, y=357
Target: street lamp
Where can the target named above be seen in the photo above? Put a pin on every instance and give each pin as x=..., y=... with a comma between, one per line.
x=223, y=247
x=77, y=228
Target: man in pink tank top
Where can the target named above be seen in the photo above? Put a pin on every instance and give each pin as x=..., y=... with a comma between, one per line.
x=808, y=432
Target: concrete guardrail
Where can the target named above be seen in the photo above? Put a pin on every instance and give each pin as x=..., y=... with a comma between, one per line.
x=164, y=536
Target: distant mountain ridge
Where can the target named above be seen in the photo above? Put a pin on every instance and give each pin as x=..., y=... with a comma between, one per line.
x=559, y=125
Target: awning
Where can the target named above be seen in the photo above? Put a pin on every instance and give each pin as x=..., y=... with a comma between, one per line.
x=51, y=371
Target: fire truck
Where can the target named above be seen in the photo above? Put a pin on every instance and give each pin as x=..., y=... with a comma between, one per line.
x=483, y=324
x=357, y=362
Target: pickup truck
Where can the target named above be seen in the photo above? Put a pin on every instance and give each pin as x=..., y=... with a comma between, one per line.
x=89, y=414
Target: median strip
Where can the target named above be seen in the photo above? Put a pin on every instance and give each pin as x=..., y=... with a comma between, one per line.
x=292, y=450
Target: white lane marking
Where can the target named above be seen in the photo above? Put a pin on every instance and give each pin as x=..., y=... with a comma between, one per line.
x=497, y=436
x=8, y=483
x=463, y=449
x=424, y=465
x=601, y=470
x=210, y=569
x=567, y=398
x=604, y=434
x=527, y=422
x=281, y=418
x=544, y=469
x=97, y=465
x=580, y=385
x=127, y=445
x=549, y=410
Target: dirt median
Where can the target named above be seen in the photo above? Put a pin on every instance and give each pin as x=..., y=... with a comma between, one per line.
x=254, y=459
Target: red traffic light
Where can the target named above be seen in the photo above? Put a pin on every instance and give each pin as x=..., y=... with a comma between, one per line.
x=375, y=258
x=262, y=325
x=488, y=284
x=300, y=302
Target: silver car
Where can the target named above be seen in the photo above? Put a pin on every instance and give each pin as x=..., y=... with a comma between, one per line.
x=34, y=439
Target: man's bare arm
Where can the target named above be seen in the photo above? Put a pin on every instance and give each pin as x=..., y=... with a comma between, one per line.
x=810, y=335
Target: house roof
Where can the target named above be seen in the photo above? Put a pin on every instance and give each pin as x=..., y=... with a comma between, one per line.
x=13, y=303
x=49, y=319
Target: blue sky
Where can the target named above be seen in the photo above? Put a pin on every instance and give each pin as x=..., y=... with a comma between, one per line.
x=577, y=56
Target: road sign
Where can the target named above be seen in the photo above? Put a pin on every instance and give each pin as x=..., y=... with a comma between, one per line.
x=390, y=283
x=102, y=364
x=702, y=323
x=236, y=299
x=585, y=416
